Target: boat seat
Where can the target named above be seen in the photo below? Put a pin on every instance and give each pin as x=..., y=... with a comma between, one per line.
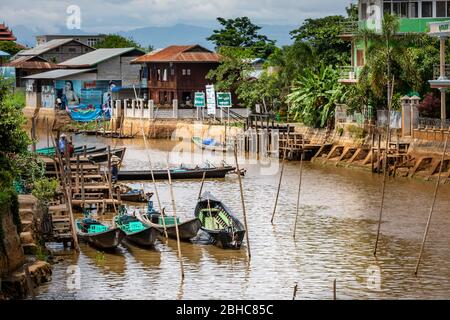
x=135, y=226
x=211, y=223
x=96, y=228
x=225, y=218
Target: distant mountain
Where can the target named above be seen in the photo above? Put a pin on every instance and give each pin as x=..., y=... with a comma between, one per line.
x=161, y=37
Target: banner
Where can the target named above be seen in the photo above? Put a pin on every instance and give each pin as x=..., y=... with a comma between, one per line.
x=211, y=99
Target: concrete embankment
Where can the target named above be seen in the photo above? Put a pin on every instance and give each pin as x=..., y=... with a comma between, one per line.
x=19, y=246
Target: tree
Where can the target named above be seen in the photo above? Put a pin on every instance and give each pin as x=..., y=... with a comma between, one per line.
x=10, y=47
x=315, y=94
x=117, y=41
x=235, y=68
x=323, y=35
x=390, y=56
x=13, y=139
x=241, y=32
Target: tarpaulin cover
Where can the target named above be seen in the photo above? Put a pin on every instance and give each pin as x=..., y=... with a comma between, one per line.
x=85, y=113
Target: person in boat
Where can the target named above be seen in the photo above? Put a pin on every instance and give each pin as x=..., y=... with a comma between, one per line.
x=115, y=168
x=70, y=148
x=62, y=144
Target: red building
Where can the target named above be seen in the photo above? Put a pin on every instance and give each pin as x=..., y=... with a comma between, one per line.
x=177, y=72
x=6, y=34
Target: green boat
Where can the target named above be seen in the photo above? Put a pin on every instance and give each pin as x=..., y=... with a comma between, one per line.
x=97, y=234
x=135, y=231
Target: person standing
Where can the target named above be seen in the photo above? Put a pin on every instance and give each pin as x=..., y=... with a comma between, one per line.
x=62, y=144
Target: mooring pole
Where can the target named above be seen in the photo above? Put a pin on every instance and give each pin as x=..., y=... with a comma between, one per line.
x=295, y=291
x=281, y=178
x=436, y=189
x=299, y=191
x=201, y=186
x=242, y=200
x=385, y=171
x=180, y=257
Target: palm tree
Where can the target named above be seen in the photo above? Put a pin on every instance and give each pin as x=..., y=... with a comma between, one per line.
x=388, y=54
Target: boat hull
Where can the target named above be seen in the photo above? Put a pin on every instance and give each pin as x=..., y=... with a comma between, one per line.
x=216, y=173
x=226, y=240
x=186, y=230
x=144, y=238
x=103, y=157
x=107, y=240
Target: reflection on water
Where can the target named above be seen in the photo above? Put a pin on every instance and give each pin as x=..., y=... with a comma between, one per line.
x=335, y=238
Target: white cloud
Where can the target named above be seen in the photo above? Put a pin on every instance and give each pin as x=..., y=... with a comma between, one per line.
x=117, y=15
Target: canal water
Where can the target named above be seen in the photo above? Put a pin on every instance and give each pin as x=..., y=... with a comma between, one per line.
x=335, y=237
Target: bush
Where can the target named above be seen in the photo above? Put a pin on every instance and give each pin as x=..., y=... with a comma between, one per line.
x=45, y=189
x=356, y=132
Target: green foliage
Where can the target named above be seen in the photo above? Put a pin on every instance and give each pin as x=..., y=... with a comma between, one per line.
x=117, y=41
x=9, y=203
x=45, y=189
x=27, y=169
x=356, y=131
x=315, y=94
x=242, y=33
x=233, y=70
x=264, y=91
x=10, y=47
x=323, y=35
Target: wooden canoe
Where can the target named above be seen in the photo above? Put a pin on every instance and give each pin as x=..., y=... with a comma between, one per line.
x=135, y=231
x=224, y=229
x=176, y=174
x=187, y=229
x=97, y=234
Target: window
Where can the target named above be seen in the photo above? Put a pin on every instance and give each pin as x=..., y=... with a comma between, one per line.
x=427, y=9
x=183, y=72
x=413, y=9
x=363, y=11
x=158, y=74
x=440, y=9
x=188, y=72
x=387, y=7
x=400, y=9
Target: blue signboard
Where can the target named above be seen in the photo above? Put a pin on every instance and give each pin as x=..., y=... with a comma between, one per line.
x=8, y=72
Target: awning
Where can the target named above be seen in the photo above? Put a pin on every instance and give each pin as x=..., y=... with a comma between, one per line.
x=58, y=74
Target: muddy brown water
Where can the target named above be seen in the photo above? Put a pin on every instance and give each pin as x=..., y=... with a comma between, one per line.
x=335, y=238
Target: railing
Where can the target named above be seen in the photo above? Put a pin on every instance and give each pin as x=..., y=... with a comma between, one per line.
x=437, y=71
x=425, y=123
x=348, y=73
x=349, y=27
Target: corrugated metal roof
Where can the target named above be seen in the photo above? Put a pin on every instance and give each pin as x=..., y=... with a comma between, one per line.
x=32, y=62
x=95, y=57
x=56, y=74
x=191, y=53
x=40, y=49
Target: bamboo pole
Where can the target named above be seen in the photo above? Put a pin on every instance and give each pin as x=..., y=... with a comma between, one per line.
x=201, y=187
x=48, y=136
x=385, y=171
x=281, y=177
x=151, y=170
x=295, y=291
x=242, y=200
x=334, y=289
x=175, y=220
x=67, y=196
x=109, y=177
x=299, y=192
x=436, y=189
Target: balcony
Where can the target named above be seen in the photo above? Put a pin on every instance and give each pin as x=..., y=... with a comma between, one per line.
x=348, y=29
x=349, y=74
x=437, y=82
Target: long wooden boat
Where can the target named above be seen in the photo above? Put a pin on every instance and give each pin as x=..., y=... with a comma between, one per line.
x=224, y=229
x=211, y=144
x=135, y=195
x=176, y=174
x=103, y=156
x=186, y=230
x=135, y=231
x=97, y=234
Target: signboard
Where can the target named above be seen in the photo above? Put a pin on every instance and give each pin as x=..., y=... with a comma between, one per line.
x=224, y=99
x=211, y=99
x=199, y=100
x=439, y=27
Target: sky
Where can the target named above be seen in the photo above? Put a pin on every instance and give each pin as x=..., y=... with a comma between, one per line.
x=108, y=16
